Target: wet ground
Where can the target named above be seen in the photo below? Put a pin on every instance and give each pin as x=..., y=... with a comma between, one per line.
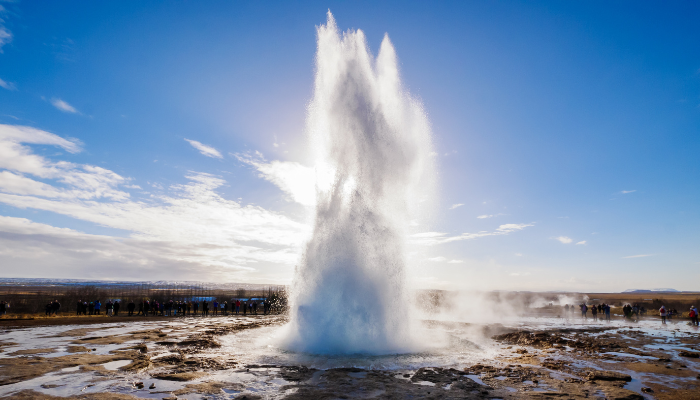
x=235, y=358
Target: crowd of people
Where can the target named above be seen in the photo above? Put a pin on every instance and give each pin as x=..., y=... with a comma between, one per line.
x=629, y=311
x=169, y=308
x=665, y=314
x=4, y=306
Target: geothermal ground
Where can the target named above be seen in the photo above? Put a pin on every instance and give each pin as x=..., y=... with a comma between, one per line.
x=233, y=358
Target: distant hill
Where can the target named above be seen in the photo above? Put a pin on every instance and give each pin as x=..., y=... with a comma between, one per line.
x=666, y=290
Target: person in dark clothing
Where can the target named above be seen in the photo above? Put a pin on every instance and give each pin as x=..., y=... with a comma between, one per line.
x=79, y=308
x=130, y=308
x=116, y=308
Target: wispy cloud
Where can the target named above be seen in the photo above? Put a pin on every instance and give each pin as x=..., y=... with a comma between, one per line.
x=627, y=191
x=5, y=34
x=434, y=238
x=485, y=216
x=63, y=106
x=564, y=239
x=294, y=179
x=437, y=259
x=456, y=205
x=640, y=256
x=204, y=149
x=581, y=242
x=455, y=262
x=8, y=85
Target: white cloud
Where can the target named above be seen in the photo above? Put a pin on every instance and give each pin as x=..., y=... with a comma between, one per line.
x=434, y=238
x=294, y=179
x=204, y=149
x=76, y=181
x=581, y=242
x=456, y=205
x=437, y=259
x=7, y=85
x=640, y=255
x=485, y=216
x=63, y=106
x=564, y=239
x=455, y=262
x=627, y=191
x=191, y=227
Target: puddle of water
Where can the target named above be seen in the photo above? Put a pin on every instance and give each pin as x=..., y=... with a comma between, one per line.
x=476, y=379
x=115, y=365
x=631, y=355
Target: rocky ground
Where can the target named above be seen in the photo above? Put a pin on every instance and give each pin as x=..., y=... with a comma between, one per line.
x=187, y=359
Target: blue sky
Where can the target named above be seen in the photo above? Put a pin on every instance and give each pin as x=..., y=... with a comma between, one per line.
x=578, y=122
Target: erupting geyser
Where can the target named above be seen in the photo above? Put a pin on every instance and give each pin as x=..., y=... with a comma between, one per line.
x=372, y=144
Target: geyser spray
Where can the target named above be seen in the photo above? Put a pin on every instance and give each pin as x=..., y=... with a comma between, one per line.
x=372, y=144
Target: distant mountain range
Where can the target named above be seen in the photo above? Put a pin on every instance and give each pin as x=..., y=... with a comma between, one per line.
x=665, y=290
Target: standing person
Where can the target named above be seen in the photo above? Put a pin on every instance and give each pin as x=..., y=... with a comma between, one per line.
x=606, y=308
x=130, y=307
x=91, y=308
x=98, y=306
x=79, y=308
x=109, y=307
x=238, y=306
x=224, y=308
x=594, y=312
x=205, y=309
x=662, y=313
x=117, y=306
x=196, y=307
x=584, y=310
x=216, y=306
x=245, y=308
x=693, y=314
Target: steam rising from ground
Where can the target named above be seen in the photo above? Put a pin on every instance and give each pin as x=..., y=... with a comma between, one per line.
x=372, y=144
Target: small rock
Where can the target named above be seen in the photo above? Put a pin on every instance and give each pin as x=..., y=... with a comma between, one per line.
x=647, y=390
x=153, y=386
x=521, y=351
x=691, y=354
x=139, y=385
x=406, y=375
